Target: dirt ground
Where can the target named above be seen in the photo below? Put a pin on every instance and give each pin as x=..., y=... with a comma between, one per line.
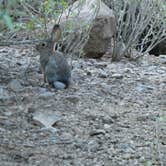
x=113, y=114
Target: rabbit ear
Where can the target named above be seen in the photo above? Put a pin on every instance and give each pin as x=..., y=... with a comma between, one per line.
x=56, y=33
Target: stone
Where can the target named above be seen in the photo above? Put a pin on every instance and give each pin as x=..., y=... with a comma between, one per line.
x=163, y=59
x=117, y=76
x=97, y=132
x=15, y=85
x=102, y=31
x=46, y=119
x=106, y=126
x=93, y=146
x=103, y=74
x=73, y=99
x=46, y=95
x=5, y=95
x=66, y=136
x=144, y=88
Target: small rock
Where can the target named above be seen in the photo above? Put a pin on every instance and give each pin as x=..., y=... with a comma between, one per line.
x=2, y=92
x=40, y=90
x=128, y=70
x=4, y=95
x=107, y=119
x=93, y=146
x=43, y=92
x=126, y=156
x=144, y=88
x=2, y=130
x=117, y=76
x=163, y=59
x=7, y=113
x=46, y=94
x=97, y=132
x=73, y=99
x=103, y=74
x=15, y=85
x=127, y=148
x=106, y=126
x=46, y=118
x=83, y=145
x=88, y=73
x=66, y=136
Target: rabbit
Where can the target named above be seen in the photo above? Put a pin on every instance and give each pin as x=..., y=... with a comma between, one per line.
x=54, y=65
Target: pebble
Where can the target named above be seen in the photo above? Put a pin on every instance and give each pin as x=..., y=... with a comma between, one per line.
x=97, y=132
x=46, y=118
x=46, y=94
x=117, y=76
x=144, y=88
x=4, y=95
x=73, y=99
x=15, y=85
x=103, y=74
x=93, y=146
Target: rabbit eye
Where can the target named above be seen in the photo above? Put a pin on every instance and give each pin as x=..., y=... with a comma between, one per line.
x=43, y=44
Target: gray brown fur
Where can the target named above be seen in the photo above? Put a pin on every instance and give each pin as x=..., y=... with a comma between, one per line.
x=53, y=63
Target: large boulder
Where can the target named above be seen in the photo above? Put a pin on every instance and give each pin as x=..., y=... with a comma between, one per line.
x=102, y=31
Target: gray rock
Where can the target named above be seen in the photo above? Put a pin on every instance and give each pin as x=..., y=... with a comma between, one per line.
x=46, y=119
x=102, y=31
x=117, y=76
x=46, y=94
x=66, y=136
x=4, y=95
x=73, y=99
x=144, y=88
x=15, y=85
x=93, y=146
x=163, y=59
x=127, y=148
x=103, y=74
x=97, y=132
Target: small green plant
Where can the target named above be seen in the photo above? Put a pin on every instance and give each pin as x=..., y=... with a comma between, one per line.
x=35, y=18
x=27, y=14
x=6, y=19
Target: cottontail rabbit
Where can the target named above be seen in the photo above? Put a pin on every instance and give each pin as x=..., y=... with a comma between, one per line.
x=53, y=62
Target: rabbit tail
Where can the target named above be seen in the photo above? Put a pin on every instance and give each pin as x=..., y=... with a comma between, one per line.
x=59, y=85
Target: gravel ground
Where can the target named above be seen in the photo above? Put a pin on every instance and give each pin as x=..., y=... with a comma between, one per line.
x=113, y=114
